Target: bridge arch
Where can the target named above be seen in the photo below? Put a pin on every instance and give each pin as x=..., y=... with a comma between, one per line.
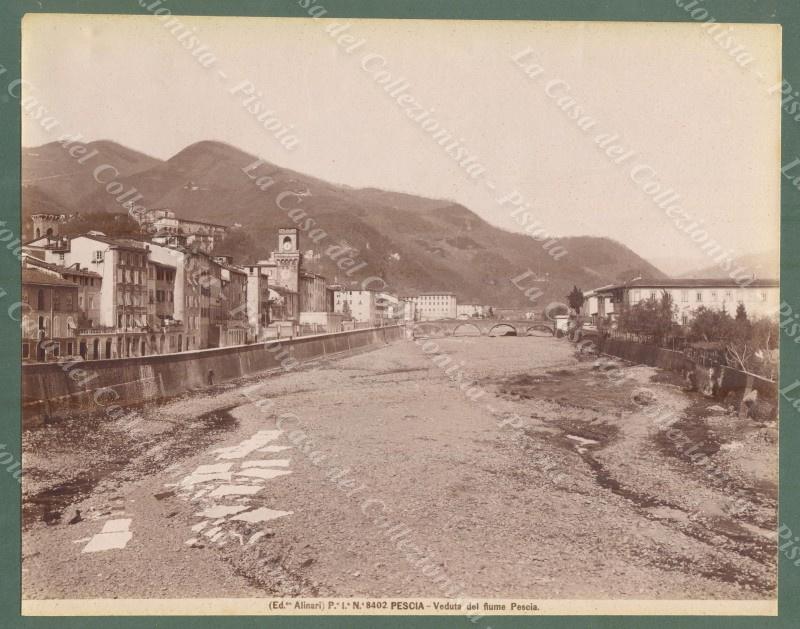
x=540, y=329
x=429, y=330
x=498, y=326
x=464, y=327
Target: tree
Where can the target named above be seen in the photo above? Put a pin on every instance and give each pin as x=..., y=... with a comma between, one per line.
x=112, y=224
x=751, y=348
x=575, y=299
x=741, y=312
x=666, y=314
x=711, y=325
x=642, y=317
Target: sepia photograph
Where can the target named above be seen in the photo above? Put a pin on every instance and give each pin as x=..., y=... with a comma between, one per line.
x=381, y=316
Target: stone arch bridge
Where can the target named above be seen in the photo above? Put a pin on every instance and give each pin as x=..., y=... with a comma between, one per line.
x=480, y=327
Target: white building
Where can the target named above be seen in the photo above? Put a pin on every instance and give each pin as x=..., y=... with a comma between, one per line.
x=364, y=306
x=470, y=311
x=432, y=306
x=760, y=297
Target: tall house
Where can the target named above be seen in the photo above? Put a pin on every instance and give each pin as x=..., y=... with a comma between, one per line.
x=234, y=326
x=362, y=305
x=122, y=263
x=257, y=300
x=49, y=315
x=313, y=295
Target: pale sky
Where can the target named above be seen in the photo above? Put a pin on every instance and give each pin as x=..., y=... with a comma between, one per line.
x=708, y=128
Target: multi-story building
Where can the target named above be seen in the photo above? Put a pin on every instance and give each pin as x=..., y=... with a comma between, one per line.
x=470, y=311
x=313, y=295
x=362, y=305
x=760, y=297
x=441, y=305
x=234, y=327
x=122, y=263
x=199, y=235
x=88, y=283
x=49, y=315
x=409, y=309
x=257, y=300
x=391, y=304
x=167, y=299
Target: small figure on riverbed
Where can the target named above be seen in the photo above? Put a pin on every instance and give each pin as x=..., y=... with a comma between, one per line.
x=76, y=518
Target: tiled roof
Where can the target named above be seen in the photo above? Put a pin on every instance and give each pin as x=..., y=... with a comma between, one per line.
x=691, y=283
x=35, y=276
x=59, y=268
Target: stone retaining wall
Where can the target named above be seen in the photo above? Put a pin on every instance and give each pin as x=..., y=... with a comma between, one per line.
x=54, y=390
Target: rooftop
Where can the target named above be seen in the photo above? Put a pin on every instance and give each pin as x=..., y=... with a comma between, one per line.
x=690, y=283
x=58, y=268
x=35, y=276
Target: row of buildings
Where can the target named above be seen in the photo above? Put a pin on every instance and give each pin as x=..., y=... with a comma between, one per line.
x=101, y=297
x=374, y=306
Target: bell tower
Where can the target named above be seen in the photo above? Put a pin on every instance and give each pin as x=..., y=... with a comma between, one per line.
x=288, y=240
x=288, y=259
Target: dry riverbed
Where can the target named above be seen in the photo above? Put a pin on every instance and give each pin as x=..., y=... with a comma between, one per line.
x=375, y=474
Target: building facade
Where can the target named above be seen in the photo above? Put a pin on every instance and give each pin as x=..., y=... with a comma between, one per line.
x=431, y=306
x=470, y=311
x=760, y=297
x=49, y=315
x=361, y=305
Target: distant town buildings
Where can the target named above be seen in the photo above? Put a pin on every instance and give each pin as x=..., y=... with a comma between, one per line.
x=100, y=297
x=196, y=234
x=471, y=311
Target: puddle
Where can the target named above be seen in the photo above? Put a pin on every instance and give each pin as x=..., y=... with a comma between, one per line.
x=583, y=440
x=49, y=504
x=669, y=513
x=767, y=534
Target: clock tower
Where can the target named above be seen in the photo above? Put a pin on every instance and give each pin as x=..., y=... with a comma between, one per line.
x=288, y=259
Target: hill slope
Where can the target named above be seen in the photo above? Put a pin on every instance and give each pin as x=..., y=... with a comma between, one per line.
x=416, y=244
x=765, y=265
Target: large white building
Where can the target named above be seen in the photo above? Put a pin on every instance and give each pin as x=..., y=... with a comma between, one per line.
x=364, y=306
x=430, y=306
x=760, y=297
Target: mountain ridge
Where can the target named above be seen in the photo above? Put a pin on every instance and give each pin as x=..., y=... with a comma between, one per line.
x=415, y=243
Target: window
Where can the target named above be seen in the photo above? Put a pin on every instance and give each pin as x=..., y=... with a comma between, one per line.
x=713, y=295
x=26, y=350
x=763, y=295
x=699, y=296
x=684, y=296
x=56, y=301
x=728, y=294
x=685, y=319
